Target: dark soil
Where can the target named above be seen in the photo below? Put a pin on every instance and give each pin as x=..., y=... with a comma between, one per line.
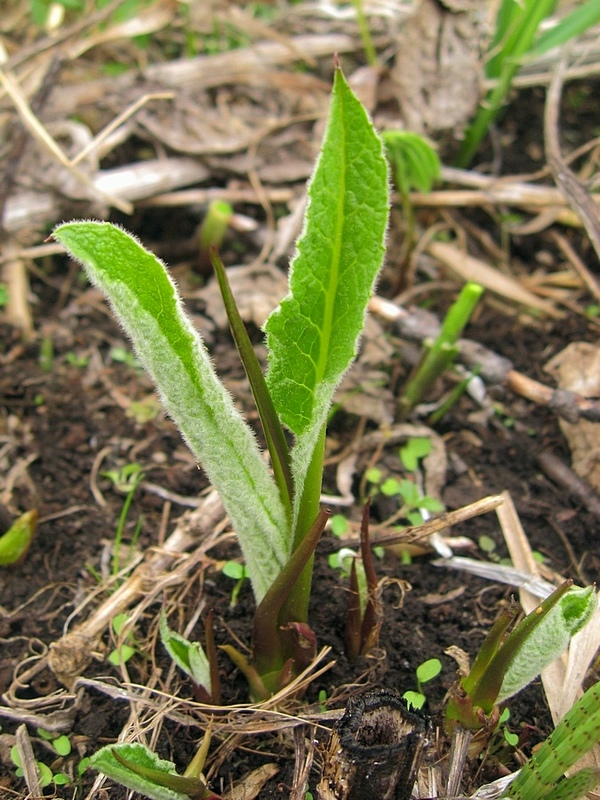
x=59, y=419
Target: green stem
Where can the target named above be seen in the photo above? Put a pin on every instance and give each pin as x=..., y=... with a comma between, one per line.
x=443, y=351
x=517, y=42
x=296, y=606
x=121, y=527
x=268, y=654
x=365, y=33
x=276, y=441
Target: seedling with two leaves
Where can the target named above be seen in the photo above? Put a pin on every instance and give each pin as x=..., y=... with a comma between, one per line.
x=425, y=672
x=312, y=339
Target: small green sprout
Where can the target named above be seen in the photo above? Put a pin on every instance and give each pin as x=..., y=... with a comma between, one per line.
x=441, y=353
x=46, y=357
x=61, y=743
x=121, y=355
x=3, y=295
x=143, y=411
x=213, y=230
x=506, y=664
x=322, y=700
x=339, y=525
x=126, y=649
x=238, y=572
x=415, y=165
x=46, y=775
x=510, y=738
x=413, y=501
x=425, y=672
x=413, y=451
x=15, y=543
x=75, y=360
x=125, y=480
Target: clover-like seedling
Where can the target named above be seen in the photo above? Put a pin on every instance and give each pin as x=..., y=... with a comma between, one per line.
x=425, y=672
x=126, y=648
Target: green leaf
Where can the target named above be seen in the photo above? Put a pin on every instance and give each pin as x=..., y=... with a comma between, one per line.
x=121, y=655
x=414, y=699
x=62, y=745
x=578, y=21
x=313, y=335
x=413, y=450
x=339, y=525
x=548, y=639
x=189, y=656
x=146, y=302
x=142, y=758
x=233, y=569
x=46, y=775
x=428, y=670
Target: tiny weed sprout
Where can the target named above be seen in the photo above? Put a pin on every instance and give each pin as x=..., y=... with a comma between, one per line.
x=238, y=572
x=339, y=525
x=312, y=339
x=415, y=507
x=426, y=671
x=126, y=481
x=511, y=739
x=15, y=543
x=414, y=165
x=506, y=664
x=413, y=451
x=125, y=650
x=213, y=230
x=46, y=775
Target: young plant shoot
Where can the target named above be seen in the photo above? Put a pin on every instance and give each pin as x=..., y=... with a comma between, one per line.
x=312, y=339
x=506, y=664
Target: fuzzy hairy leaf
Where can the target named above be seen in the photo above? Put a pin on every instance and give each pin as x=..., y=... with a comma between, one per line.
x=104, y=761
x=313, y=335
x=146, y=302
x=549, y=639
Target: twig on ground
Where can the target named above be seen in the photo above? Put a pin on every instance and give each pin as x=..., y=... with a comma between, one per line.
x=417, y=325
x=586, y=276
x=561, y=474
x=71, y=654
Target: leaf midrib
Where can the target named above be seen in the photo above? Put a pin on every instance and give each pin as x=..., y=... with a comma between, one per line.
x=334, y=272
